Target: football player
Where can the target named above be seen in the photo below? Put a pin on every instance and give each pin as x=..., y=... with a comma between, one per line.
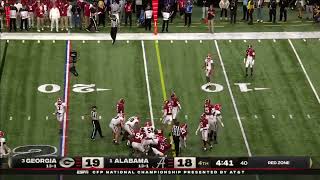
x=129, y=127
x=203, y=127
x=136, y=141
x=176, y=107
x=167, y=113
x=208, y=109
x=120, y=107
x=60, y=109
x=116, y=124
x=183, y=135
x=213, y=124
x=208, y=67
x=249, y=59
x=162, y=147
x=4, y=149
x=150, y=138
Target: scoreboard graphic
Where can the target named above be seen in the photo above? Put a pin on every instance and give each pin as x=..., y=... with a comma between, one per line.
x=159, y=165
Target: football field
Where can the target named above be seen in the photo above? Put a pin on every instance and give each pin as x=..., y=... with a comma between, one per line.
x=274, y=112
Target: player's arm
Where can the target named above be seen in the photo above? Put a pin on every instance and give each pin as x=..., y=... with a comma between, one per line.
x=197, y=130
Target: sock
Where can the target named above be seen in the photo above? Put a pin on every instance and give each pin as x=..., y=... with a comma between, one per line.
x=208, y=79
x=246, y=71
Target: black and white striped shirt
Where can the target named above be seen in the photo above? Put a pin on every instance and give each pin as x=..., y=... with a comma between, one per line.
x=94, y=115
x=176, y=130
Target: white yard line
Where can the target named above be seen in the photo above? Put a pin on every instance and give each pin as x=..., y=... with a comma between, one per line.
x=304, y=71
x=233, y=101
x=161, y=36
x=147, y=81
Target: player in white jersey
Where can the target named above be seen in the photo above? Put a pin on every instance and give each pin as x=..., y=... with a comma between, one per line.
x=60, y=109
x=130, y=124
x=150, y=137
x=116, y=124
x=4, y=149
x=213, y=125
x=208, y=67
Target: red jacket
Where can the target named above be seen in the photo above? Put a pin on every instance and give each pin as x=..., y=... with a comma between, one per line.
x=39, y=11
x=64, y=9
x=86, y=11
x=128, y=7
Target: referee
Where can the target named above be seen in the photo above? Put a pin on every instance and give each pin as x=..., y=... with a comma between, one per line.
x=176, y=132
x=114, y=28
x=95, y=123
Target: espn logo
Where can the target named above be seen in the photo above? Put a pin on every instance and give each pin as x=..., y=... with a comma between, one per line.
x=66, y=162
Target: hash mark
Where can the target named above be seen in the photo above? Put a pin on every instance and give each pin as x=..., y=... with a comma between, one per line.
x=82, y=117
x=230, y=41
x=273, y=116
x=8, y=41
x=38, y=41
x=22, y=41
x=259, y=40
x=255, y=116
x=200, y=41
x=100, y=117
x=186, y=41
x=290, y=116
x=83, y=41
x=244, y=40
x=274, y=40
x=171, y=41
x=309, y=116
x=53, y=41
x=304, y=40
x=47, y=117
x=29, y=118
x=98, y=41
x=10, y=118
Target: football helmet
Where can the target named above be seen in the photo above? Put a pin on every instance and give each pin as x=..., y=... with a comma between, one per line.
x=121, y=101
x=207, y=101
x=217, y=107
x=1, y=134
x=59, y=101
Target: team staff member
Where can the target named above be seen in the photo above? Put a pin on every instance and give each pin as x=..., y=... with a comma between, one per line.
x=233, y=11
x=165, y=21
x=95, y=123
x=272, y=11
x=211, y=15
x=114, y=28
x=176, y=133
x=93, y=22
x=148, y=17
x=283, y=9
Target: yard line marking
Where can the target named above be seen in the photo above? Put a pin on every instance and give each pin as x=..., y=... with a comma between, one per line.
x=64, y=123
x=309, y=117
x=290, y=116
x=163, y=86
x=259, y=89
x=233, y=100
x=304, y=71
x=255, y=116
x=147, y=82
x=273, y=116
x=29, y=118
x=164, y=94
x=47, y=117
x=10, y=118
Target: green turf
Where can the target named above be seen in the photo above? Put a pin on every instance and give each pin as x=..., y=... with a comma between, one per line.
x=26, y=67
x=182, y=67
x=276, y=68
x=118, y=67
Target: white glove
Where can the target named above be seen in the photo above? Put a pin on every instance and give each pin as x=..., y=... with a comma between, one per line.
x=244, y=60
x=253, y=62
x=222, y=124
x=196, y=133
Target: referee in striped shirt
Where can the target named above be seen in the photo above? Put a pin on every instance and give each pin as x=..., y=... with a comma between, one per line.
x=95, y=123
x=176, y=132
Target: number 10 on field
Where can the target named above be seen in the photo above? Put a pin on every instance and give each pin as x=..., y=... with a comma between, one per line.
x=184, y=162
x=92, y=162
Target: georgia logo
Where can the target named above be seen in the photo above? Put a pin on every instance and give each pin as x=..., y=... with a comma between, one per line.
x=66, y=162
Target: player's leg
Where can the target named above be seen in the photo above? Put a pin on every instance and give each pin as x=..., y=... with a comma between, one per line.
x=99, y=129
x=251, y=68
x=94, y=131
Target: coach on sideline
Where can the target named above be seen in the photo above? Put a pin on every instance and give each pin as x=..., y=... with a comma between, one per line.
x=176, y=132
x=95, y=123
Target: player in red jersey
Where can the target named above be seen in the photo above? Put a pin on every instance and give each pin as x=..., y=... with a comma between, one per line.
x=162, y=147
x=4, y=149
x=176, y=107
x=120, y=107
x=203, y=127
x=183, y=135
x=249, y=59
x=136, y=141
x=208, y=109
x=208, y=67
x=167, y=113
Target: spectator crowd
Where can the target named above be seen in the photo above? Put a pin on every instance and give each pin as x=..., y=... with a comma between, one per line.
x=62, y=15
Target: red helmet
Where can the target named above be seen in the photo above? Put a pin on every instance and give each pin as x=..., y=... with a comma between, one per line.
x=1, y=134
x=121, y=101
x=217, y=107
x=207, y=101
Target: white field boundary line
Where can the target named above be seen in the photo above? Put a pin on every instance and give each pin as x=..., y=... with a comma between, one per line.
x=160, y=36
x=304, y=71
x=233, y=100
x=147, y=82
